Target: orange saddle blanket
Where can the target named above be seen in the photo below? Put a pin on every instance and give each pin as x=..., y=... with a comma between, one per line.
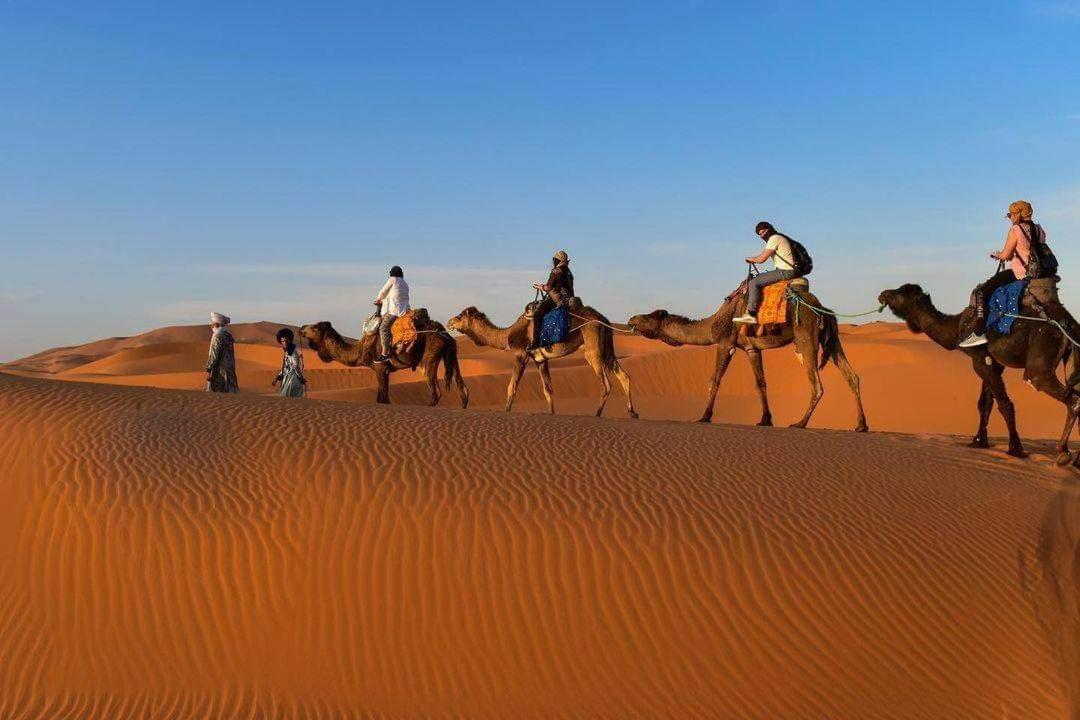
x=774, y=304
x=404, y=329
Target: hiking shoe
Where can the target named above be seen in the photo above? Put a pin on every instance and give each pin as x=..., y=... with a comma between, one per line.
x=383, y=359
x=973, y=340
x=746, y=319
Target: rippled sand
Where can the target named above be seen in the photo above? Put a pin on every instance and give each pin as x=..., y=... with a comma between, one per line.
x=170, y=554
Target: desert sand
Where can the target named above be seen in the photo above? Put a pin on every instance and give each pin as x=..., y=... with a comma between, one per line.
x=178, y=554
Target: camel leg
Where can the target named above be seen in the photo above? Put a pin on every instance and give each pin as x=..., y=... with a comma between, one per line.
x=515, y=378
x=601, y=374
x=1045, y=380
x=852, y=379
x=463, y=390
x=434, y=394
x=806, y=349
x=383, y=376
x=986, y=405
x=757, y=364
x=724, y=354
x=624, y=380
x=992, y=375
x=545, y=379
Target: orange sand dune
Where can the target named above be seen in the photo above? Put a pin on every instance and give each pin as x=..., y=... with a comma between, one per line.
x=177, y=555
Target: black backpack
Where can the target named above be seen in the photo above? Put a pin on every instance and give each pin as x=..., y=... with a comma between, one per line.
x=1041, y=262
x=800, y=260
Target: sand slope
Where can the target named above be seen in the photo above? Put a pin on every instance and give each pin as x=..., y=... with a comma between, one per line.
x=169, y=554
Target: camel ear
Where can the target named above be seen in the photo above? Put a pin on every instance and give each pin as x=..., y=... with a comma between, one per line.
x=661, y=314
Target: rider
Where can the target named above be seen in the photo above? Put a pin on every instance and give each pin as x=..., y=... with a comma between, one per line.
x=558, y=290
x=393, y=301
x=1015, y=253
x=777, y=247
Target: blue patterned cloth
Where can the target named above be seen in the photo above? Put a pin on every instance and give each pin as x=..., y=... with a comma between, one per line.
x=555, y=326
x=1004, y=302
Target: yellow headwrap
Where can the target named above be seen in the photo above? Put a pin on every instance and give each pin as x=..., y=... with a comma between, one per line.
x=1023, y=207
x=562, y=257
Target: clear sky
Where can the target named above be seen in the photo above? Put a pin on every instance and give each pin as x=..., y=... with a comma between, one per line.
x=271, y=160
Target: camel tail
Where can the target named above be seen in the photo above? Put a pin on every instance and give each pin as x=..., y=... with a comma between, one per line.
x=829, y=338
x=450, y=364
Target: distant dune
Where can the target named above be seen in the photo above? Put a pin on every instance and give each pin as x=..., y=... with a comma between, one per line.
x=909, y=384
x=179, y=555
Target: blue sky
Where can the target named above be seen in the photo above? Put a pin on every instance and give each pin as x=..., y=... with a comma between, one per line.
x=271, y=160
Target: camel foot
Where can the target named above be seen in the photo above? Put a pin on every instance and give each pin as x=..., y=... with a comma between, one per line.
x=765, y=422
x=1017, y=452
x=862, y=428
x=979, y=442
x=799, y=425
x=1064, y=458
x=705, y=420
x=633, y=415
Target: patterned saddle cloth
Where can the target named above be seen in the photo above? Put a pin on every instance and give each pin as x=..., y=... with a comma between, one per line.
x=405, y=328
x=1004, y=303
x=774, y=304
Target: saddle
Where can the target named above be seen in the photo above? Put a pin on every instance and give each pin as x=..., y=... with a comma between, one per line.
x=772, y=315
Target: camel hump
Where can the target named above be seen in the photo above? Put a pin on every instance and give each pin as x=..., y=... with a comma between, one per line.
x=574, y=303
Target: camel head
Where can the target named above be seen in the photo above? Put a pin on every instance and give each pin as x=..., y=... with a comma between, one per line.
x=315, y=335
x=464, y=319
x=905, y=302
x=648, y=325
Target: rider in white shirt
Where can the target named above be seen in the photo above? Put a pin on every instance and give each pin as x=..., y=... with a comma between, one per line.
x=394, y=300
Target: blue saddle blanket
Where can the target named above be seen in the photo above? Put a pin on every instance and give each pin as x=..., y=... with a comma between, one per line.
x=555, y=326
x=1004, y=302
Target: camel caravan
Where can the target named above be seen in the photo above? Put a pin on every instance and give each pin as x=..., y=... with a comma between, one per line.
x=1014, y=319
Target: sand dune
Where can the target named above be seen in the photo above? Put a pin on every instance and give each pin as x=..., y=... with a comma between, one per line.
x=185, y=555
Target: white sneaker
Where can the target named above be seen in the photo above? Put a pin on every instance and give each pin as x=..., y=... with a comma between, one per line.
x=973, y=340
x=746, y=319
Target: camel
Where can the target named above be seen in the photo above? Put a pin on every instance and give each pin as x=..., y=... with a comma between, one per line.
x=433, y=346
x=588, y=331
x=1038, y=348
x=816, y=338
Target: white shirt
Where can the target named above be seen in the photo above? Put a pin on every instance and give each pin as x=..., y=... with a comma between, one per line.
x=782, y=255
x=395, y=297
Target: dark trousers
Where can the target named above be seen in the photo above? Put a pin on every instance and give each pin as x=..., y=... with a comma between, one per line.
x=982, y=296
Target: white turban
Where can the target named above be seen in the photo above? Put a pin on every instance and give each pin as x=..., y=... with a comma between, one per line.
x=220, y=319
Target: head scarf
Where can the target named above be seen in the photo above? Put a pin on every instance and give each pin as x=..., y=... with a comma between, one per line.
x=1023, y=207
x=219, y=319
x=562, y=257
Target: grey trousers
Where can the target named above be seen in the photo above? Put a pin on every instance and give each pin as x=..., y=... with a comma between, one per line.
x=384, y=332
x=758, y=283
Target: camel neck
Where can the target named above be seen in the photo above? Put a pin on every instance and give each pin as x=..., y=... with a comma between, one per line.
x=343, y=351
x=705, y=331
x=483, y=332
x=936, y=325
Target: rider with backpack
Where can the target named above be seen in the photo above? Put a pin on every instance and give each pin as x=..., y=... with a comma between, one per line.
x=1027, y=256
x=790, y=260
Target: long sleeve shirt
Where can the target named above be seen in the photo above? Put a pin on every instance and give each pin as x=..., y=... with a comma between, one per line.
x=395, y=297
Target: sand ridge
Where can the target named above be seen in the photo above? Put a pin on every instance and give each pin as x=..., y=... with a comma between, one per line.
x=174, y=554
